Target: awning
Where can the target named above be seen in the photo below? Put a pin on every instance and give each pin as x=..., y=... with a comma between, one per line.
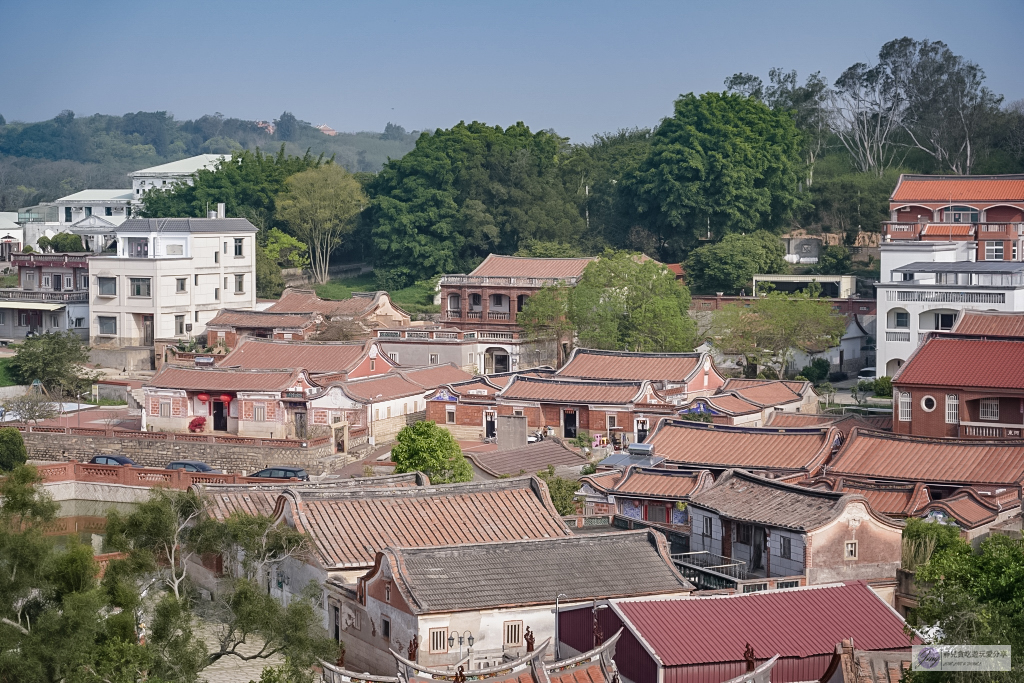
x=31, y=305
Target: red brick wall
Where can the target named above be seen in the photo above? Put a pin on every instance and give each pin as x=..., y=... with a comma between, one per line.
x=924, y=423
x=1007, y=214
x=179, y=406
x=380, y=365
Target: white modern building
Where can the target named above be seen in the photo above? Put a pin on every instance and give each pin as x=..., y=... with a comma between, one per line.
x=925, y=286
x=113, y=206
x=165, y=176
x=169, y=277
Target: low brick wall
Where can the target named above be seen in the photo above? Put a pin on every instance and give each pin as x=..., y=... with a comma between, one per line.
x=385, y=430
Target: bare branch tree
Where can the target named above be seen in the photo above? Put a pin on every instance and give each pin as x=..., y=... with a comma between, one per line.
x=865, y=113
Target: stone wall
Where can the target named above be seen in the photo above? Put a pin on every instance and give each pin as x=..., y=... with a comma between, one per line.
x=387, y=429
x=157, y=453
x=125, y=358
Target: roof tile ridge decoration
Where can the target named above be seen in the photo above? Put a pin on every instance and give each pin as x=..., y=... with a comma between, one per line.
x=427, y=490
x=613, y=537
x=634, y=354
x=409, y=666
x=740, y=473
x=738, y=429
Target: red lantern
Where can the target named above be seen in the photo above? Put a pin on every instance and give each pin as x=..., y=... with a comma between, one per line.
x=226, y=398
x=203, y=397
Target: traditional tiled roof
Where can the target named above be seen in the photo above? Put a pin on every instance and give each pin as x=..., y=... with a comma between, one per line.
x=261, y=498
x=300, y=300
x=652, y=482
x=220, y=379
x=233, y=318
x=722, y=447
x=532, y=572
x=844, y=423
x=944, y=188
x=381, y=388
x=990, y=323
x=727, y=404
x=863, y=666
x=899, y=457
x=623, y=365
x=970, y=508
x=766, y=392
x=350, y=527
x=895, y=500
x=502, y=379
x=968, y=363
x=799, y=622
x=551, y=390
x=529, y=459
x=314, y=357
x=496, y=265
x=435, y=375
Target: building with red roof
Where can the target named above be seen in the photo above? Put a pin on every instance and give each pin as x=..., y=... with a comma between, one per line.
x=368, y=309
x=648, y=493
x=990, y=324
x=230, y=325
x=677, y=376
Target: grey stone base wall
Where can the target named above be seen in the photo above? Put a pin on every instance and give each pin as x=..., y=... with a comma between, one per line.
x=387, y=429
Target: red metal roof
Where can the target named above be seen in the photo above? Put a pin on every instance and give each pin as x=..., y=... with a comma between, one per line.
x=215, y=379
x=516, y=266
x=995, y=324
x=955, y=362
x=594, y=364
x=899, y=457
x=799, y=622
x=314, y=357
x=959, y=189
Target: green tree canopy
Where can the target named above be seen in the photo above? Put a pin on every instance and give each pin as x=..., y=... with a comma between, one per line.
x=464, y=193
x=722, y=162
x=731, y=264
x=425, y=447
x=834, y=260
x=57, y=359
x=562, y=490
x=12, y=449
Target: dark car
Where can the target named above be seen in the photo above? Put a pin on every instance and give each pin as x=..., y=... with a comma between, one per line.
x=282, y=473
x=193, y=466
x=113, y=460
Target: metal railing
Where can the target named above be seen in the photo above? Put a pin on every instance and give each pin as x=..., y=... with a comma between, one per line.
x=494, y=281
x=42, y=295
x=897, y=336
x=703, y=559
x=494, y=315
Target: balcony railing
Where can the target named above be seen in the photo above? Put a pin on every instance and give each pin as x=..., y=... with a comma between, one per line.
x=897, y=336
x=453, y=314
x=493, y=281
x=991, y=431
x=474, y=315
x=703, y=559
x=42, y=295
x=496, y=315
x=946, y=297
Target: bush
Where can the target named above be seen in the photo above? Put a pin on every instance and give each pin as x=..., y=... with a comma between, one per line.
x=838, y=376
x=425, y=447
x=197, y=424
x=12, y=449
x=817, y=371
x=883, y=386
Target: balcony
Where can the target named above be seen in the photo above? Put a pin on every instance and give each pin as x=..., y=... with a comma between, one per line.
x=897, y=336
x=79, y=297
x=896, y=230
x=453, y=314
x=497, y=315
x=485, y=281
x=982, y=430
x=474, y=315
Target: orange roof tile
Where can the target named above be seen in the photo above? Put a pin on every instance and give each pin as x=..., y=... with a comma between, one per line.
x=966, y=507
x=895, y=500
x=845, y=423
x=948, y=229
x=302, y=300
x=543, y=390
x=730, y=404
x=990, y=323
x=961, y=362
x=314, y=357
x=436, y=375
x=261, y=319
x=651, y=482
x=766, y=392
x=381, y=388
x=917, y=188
x=516, y=266
x=219, y=379
x=595, y=364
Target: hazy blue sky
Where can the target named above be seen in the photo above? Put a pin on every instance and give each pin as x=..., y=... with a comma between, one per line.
x=578, y=67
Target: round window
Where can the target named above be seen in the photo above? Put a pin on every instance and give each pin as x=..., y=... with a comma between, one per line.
x=928, y=403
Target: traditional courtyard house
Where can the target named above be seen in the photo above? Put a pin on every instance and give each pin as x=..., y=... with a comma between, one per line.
x=482, y=351
x=759, y=533
x=895, y=500
x=326, y=361
x=170, y=277
x=975, y=511
x=52, y=296
x=347, y=532
x=962, y=386
x=677, y=376
x=784, y=396
x=431, y=593
x=623, y=411
x=367, y=310
x=228, y=327
x=789, y=453
x=726, y=635
x=271, y=404
x=529, y=459
x=495, y=292
x=469, y=409
x=648, y=493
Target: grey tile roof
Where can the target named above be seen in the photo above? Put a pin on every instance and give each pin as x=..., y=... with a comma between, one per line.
x=533, y=572
x=162, y=225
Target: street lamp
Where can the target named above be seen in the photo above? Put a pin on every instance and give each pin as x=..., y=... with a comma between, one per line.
x=465, y=636
x=557, y=648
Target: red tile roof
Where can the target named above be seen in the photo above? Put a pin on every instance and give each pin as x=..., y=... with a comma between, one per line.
x=436, y=375
x=898, y=457
x=350, y=527
x=730, y=404
x=957, y=362
x=302, y=300
x=650, y=482
x=314, y=357
x=529, y=459
x=594, y=364
x=766, y=392
x=968, y=509
x=381, y=388
x=516, y=266
x=262, y=319
x=948, y=229
x=546, y=390
x=990, y=323
x=916, y=188
x=800, y=622
x=895, y=500
x=721, y=447
x=845, y=423
x=218, y=379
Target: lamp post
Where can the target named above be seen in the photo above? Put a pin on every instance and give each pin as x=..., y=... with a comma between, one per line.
x=558, y=649
x=465, y=636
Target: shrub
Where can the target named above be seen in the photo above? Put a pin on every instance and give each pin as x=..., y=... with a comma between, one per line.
x=883, y=386
x=12, y=449
x=817, y=371
x=197, y=424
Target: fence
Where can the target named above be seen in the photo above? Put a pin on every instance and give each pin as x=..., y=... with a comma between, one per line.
x=126, y=475
x=171, y=436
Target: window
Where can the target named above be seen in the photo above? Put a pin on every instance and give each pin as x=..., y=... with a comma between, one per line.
x=107, y=325
x=88, y=211
x=928, y=403
x=787, y=584
x=989, y=409
x=657, y=513
x=902, y=319
x=165, y=408
x=67, y=214
x=518, y=412
x=944, y=321
x=612, y=422
x=240, y=283
x=3, y=318
x=513, y=633
x=851, y=550
x=952, y=409
x=960, y=214
x=707, y=526
x=259, y=412
x=474, y=299
x=433, y=359
x=904, y=407
x=23, y=320
x=385, y=628
x=139, y=286
x=449, y=416
x=387, y=589
x=785, y=547
x=993, y=251
x=196, y=281
x=46, y=281
x=108, y=211
x=438, y=640
x=472, y=358
x=180, y=284
x=225, y=247
x=373, y=365
x=376, y=414
x=54, y=320
x=335, y=419
x=225, y=282
x=69, y=282
x=415, y=406
x=79, y=322
x=949, y=278
x=216, y=293
x=393, y=355
x=755, y=587
x=743, y=533
x=238, y=247
x=83, y=282
x=197, y=316
x=179, y=324
x=216, y=257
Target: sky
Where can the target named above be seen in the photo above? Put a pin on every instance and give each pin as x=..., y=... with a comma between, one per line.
x=581, y=68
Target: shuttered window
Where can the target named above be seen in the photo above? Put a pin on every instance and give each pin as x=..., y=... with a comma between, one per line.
x=904, y=407
x=952, y=409
x=439, y=640
x=513, y=633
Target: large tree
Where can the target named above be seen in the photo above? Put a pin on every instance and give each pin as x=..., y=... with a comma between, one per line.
x=57, y=359
x=425, y=447
x=722, y=163
x=729, y=265
x=320, y=206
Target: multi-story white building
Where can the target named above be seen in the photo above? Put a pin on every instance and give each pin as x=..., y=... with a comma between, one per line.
x=170, y=276
x=165, y=176
x=113, y=206
x=925, y=286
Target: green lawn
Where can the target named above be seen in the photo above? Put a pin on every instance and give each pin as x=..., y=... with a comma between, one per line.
x=5, y=374
x=418, y=298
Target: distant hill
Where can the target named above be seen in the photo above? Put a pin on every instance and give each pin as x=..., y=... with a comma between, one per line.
x=49, y=159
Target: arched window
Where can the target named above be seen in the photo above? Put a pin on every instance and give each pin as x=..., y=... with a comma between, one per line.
x=905, y=406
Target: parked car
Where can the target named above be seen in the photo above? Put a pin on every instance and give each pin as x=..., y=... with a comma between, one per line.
x=282, y=473
x=867, y=374
x=113, y=460
x=192, y=466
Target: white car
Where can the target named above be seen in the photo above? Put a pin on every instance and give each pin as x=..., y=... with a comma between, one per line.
x=867, y=374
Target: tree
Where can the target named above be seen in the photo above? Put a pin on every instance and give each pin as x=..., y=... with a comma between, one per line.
x=731, y=264
x=62, y=242
x=425, y=447
x=766, y=332
x=285, y=250
x=57, y=359
x=865, y=114
x=721, y=164
x=32, y=406
x=320, y=205
x=538, y=249
x=269, y=283
x=286, y=127
x=834, y=260
x=12, y=449
x=545, y=315
x=562, y=490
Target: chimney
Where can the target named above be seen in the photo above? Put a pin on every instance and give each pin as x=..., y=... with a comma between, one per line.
x=211, y=214
x=221, y=212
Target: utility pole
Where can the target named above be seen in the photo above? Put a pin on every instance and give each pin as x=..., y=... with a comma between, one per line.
x=586, y=205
